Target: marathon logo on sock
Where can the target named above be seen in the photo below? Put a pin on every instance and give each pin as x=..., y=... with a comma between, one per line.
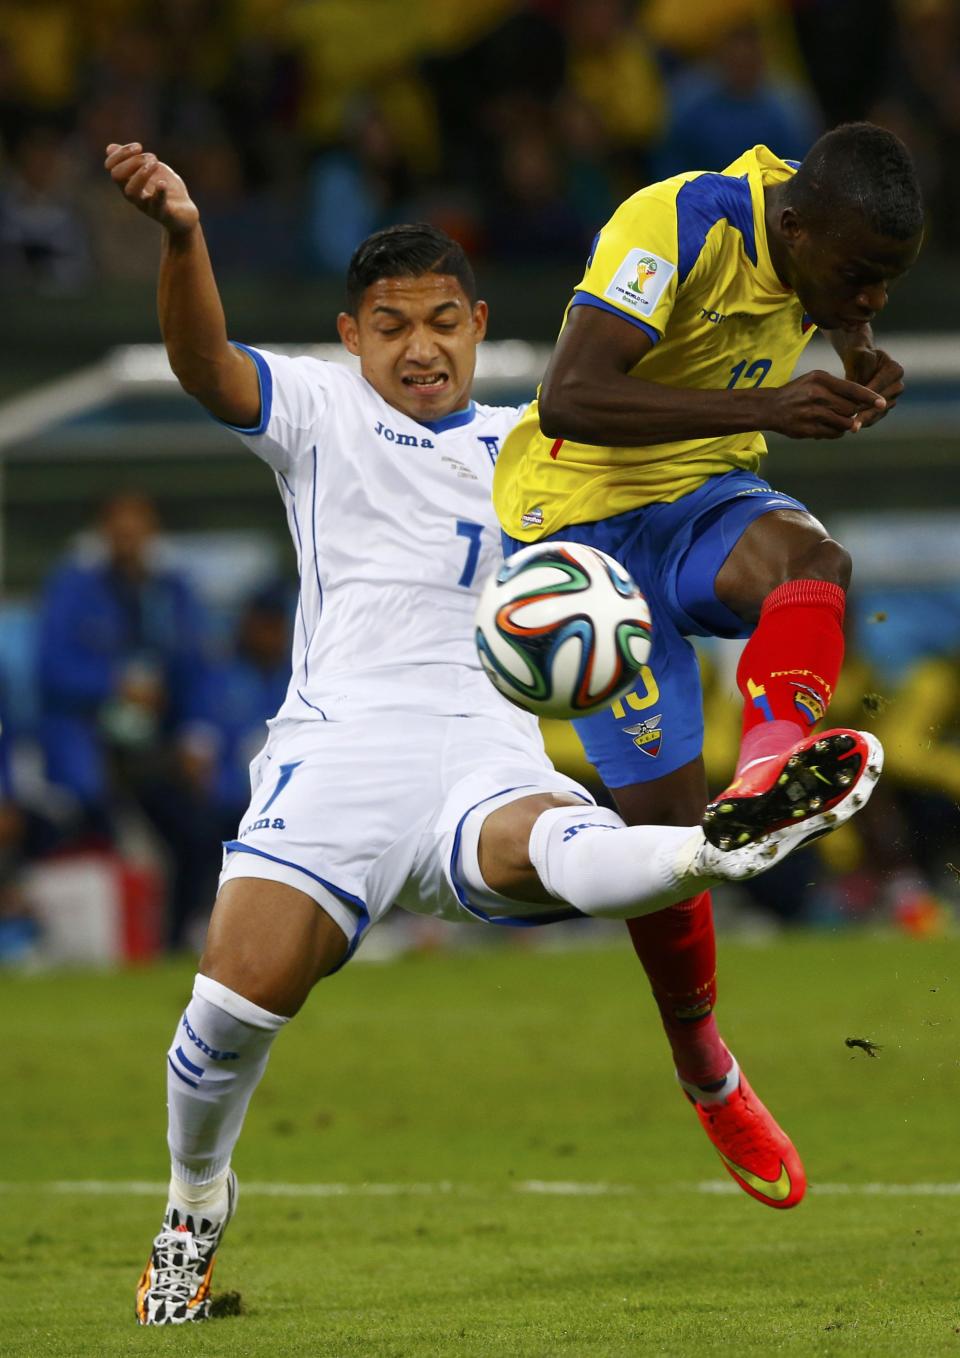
x=647, y=735
x=822, y=686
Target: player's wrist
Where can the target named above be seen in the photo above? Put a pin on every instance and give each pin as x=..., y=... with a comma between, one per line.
x=183, y=233
x=756, y=409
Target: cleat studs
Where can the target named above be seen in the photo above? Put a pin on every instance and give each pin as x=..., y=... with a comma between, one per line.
x=793, y=761
x=822, y=746
x=845, y=779
x=725, y=808
x=815, y=803
x=743, y=837
x=784, y=778
x=726, y=843
x=799, y=813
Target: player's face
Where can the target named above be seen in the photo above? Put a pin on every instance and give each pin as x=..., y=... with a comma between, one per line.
x=417, y=342
x=843, y=275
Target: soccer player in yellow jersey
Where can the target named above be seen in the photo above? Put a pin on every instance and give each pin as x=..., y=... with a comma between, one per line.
x=677, y=349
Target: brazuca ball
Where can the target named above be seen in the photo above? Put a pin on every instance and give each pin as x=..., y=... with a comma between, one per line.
x=562, y=629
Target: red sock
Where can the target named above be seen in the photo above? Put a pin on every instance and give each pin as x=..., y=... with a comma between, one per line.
x=790, y=666
x=679, y=954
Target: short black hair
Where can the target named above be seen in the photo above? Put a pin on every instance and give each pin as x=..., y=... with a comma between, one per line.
x=860, y=169
x=407, y=252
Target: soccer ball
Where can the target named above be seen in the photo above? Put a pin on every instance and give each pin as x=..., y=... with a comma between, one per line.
x=562, y=629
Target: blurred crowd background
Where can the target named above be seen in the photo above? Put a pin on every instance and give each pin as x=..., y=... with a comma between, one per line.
x=147, y=592
x=302, y=125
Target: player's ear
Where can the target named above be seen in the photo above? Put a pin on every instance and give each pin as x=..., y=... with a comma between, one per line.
x=480, y=313
x=348, y=332
x=791, y=226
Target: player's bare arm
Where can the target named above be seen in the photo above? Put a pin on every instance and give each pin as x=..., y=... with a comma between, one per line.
x=589, y=395
x=207, y=366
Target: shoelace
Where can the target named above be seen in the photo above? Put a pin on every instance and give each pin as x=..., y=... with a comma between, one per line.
x=174, y=1279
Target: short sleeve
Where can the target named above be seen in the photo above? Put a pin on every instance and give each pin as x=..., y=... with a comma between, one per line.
x=632, y=269
x=294, y=398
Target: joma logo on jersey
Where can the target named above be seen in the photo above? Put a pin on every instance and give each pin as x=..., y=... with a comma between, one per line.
x=404, y=440
x=647, y=735
x=264, y=823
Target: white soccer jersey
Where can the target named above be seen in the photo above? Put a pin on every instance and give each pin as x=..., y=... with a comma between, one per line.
x=395, y=534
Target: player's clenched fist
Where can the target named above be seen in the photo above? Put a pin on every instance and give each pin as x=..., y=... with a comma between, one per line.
x=153, y=187
x=820, y=406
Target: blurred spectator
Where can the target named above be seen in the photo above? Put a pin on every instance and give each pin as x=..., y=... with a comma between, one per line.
x=29, y=830
x=921, y=103
x=850, y=49
x=247, y=689
x=43, y=242
x=123, y=690
x=731, y=103
x=355, y=189
x=612, y=68
x=532, y=215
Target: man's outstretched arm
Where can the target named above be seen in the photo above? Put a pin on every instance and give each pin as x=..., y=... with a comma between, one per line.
x=588, y=395
x=222, y=378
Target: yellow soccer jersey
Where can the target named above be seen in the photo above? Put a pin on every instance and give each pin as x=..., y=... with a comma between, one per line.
x=687, y=261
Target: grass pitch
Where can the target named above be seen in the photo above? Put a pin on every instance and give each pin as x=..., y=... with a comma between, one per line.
x=495, y=1161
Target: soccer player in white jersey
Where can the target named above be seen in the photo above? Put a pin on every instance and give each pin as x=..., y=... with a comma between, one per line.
x=385, y=475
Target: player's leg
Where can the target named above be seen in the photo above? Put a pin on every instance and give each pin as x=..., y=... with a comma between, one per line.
x=786, y=575
x=677, y=947
x=267, y=945
x=543, y=848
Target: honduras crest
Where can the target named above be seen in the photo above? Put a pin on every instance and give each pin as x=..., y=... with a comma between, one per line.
x=647, y=735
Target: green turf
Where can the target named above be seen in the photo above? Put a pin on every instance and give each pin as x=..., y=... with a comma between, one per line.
x=483, y=1071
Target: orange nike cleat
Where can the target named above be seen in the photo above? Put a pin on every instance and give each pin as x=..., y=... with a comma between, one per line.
x=754, y=1150
x=814, y=786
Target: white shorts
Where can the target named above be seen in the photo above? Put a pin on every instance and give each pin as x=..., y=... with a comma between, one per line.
x=365, y=815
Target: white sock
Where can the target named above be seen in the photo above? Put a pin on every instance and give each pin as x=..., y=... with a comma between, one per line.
x=708, y=1096
x=589, y=858
x=209, y=1200
x=218, y=1054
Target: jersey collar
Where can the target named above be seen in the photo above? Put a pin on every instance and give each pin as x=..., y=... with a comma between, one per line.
x=451, y=421
x=762, y=167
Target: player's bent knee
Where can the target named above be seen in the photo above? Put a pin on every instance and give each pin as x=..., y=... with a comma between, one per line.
x=270, y=943
x=827, y=560
x=504, y=847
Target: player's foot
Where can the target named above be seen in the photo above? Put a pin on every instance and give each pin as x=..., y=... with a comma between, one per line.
x=175, y=1285
x=754, y=1150
x=812, y=787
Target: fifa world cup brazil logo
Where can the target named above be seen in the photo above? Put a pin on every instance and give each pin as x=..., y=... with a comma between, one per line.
x=646, y=268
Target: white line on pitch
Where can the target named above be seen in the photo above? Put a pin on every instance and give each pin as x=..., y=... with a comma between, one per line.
x=542, y=1187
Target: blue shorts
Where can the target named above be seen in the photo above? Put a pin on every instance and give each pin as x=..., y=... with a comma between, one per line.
x=674, y=552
